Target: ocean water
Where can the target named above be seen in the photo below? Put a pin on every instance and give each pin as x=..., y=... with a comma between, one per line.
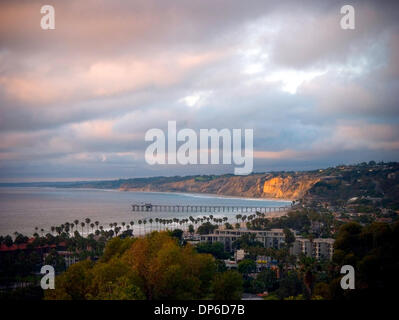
x=23, y=209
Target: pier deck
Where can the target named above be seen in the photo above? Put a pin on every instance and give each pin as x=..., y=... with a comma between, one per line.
x=201, y=208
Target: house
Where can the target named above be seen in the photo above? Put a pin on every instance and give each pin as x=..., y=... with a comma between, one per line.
x=239, y=255
x=43, y=251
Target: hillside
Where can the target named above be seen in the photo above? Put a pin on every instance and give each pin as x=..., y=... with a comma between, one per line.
x=366, y=180
x=269, y=185
x=341, y=182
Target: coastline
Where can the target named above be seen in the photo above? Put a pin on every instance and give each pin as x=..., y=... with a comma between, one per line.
x=187, y=193
x=213, y=195
x=23, y=208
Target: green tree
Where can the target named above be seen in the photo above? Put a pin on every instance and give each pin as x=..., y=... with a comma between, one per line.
x=216, y=249
x=289, y=237
x=227, y=286
x=267, y=280
x=372, y=251
x=247, y=266
x=206, y=228
x=290, y=285
x=57, y=261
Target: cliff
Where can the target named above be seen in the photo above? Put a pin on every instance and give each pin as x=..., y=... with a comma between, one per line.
x=379, y=181
x=256, y=186
x=289, y=187
x=374, y=181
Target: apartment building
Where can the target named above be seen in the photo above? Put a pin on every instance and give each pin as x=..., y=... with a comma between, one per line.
x=273, y=238
x=323, y=248
x=319, y=248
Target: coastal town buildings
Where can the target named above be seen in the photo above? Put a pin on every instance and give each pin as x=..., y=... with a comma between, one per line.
x=273, y=238
x=319, y=248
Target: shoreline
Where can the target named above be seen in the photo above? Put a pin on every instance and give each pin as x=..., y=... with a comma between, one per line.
x=213, y=195
x=184, y=193
x=99, y=204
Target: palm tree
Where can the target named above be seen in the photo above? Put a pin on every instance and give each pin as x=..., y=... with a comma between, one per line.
x=308, y=267
x=238, y=217
x=82, y=224
x=52, y=230
x=132, y=224
x=150, y=221
x=87, y=220
x=97, y=223
x=191, y=219
x=92, y=226
x=144, y=223
x=140, y=222
x=157, y=222
x=123, y=225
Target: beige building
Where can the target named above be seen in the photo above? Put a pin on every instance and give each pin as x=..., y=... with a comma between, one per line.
x=273, y=238
x=319, y=248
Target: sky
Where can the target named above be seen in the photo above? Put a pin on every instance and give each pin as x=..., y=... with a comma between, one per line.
x=76, y=102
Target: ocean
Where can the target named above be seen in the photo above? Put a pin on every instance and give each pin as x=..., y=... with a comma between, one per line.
x=22, y=209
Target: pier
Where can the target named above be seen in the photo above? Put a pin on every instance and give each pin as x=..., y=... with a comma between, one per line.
x=148, y=207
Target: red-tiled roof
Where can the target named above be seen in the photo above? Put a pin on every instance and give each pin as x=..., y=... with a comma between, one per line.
x=23, y=246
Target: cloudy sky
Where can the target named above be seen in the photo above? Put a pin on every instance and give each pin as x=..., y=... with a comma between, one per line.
x=75, y=102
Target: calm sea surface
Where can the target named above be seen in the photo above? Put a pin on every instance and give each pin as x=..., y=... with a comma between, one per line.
x=23, y=209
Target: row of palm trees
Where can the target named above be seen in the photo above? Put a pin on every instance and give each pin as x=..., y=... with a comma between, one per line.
x=248, y=218
x=160, y=224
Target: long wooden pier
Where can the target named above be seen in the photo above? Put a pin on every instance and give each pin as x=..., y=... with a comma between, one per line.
x=148, y=207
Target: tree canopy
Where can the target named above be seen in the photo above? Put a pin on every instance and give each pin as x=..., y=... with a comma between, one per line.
x=153, y=267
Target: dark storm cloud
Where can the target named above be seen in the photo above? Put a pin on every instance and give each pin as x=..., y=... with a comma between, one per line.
x=77, y=101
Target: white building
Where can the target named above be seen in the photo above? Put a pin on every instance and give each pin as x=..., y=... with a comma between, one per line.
x=239, y=255
x=273, y=238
